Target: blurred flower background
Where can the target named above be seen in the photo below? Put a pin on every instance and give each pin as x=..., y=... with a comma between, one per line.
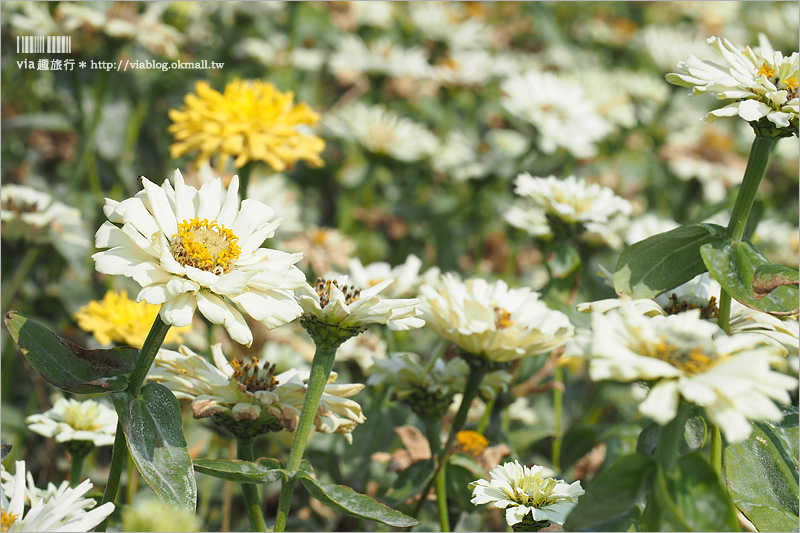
x=518, y=142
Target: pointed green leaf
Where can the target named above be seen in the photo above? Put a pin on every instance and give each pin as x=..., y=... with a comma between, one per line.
x=66, y=365
x=6, y=449
x=411, y=482
x=664, y=261
x=733, y=265
x=699, y=496
x=769, y=277
x=461, y=471
x=154, y=432
x=263, y=470
x=613, y=494
x=563, y=259
x=762, y=474
x=347, y=501
x=667, y=508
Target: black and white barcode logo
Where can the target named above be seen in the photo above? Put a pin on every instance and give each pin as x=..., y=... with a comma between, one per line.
x=44, y=44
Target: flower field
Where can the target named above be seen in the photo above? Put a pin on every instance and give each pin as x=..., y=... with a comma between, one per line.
x=399, y=266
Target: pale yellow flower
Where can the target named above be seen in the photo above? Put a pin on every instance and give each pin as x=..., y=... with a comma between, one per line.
x=117, y=318
x=251, y=121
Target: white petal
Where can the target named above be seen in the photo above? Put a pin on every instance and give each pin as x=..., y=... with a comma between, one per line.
x=178, y=311
x=184, y=199
x=662, y=403
x=227, y=214
x=210, y=199
x=162, y=211
x=752, y=110
x=218, y=311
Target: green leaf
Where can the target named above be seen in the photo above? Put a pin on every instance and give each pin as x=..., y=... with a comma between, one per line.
x=6, y=449
x=68, y=366
x=613, y=494
x=694, y=435
x=347, y=501
x=411, y=482
x=263, y=470
x=733, y=265
x=578, y=441
x=461, y=471
x=700, y=498
x=154, y=431
x=667, y=508
x=664, y=261
x=563, y=258
x=762, y=474
x=767, y=278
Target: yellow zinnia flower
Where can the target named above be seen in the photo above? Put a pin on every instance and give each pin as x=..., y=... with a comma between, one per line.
x=116, y=318
x=251, y=121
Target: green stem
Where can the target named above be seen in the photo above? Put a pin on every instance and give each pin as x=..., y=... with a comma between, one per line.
x=756, y=168
x=321, y=368
x=13, y=285
x=487, y=415
x=148, y=354
x=558, y=408
x=118, y=455
x=76, y=468
x=724, y=311
x=252, y=501
x=669, y=440
x=716, y=449
x=441, y=499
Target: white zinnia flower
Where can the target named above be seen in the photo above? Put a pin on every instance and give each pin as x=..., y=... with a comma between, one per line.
x=600, y=213
x=492, y=321
x=762, y=83
x=248, y=398
x=560, y=110
x=527, y=491
x=687, y=357
x=339, y=305
x=406, y=276
x=191, y=249
x=71, y=420
x=382, y=132
x=442, y=21
x=353, y=57
x=64, y=510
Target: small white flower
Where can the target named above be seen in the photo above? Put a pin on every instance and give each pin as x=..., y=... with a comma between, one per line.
x=647, y=225
x=527, y=491
x=354, y=57
x=406, y=276
x=250, y=397
x=443, y=21
x=492, y=321
x=685, y=356
x=191, y=249
x=71, y=420
x=65, y=509
x=667, y=44
x=339, y=305
x=779, y=240
x=762, y=83
x=382, y=132
x=596, y=210
x=364, y=349
x=560, y=111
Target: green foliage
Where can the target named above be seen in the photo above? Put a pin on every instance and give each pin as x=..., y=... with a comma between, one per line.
x=767, y=278
x=664, y=261
x=154, y=432
x=264, y=470
x=762, y=474
x=734, y=264
x=66, y=365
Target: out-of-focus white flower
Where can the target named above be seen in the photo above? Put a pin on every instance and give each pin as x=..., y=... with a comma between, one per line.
x=669, y=44
x=322, y=248
x=353, y=57
x=685, y=356
x=191, y=249
x=65, y=509
x=443, y=21
x=249, y=399
x=492, y=321
x=279, y=193
x=71, y=420
x=406, y=276
x=762, y=83
x=364, y=349
x=701, y=293
x=527, y=492
x=32, y=215
x=647, y=225
x=151, y=514
x=336, y=305
x=778, y=240
x=382, y=132
x=561, y=112
x=458, y=158
x=372, y=13
x=595, y=211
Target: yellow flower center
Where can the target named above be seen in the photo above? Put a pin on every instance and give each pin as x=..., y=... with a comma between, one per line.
x=471, y=442
x=8, y=519
x=502, y=318
x=319, y=237
x=19, y=206
x=766, y=70
x=254, y=378
x=706, y=311
x=448, y=62
x=791, y=83
x=692, y=363
x=323, y=288
x=82, y=416
x=209, y=246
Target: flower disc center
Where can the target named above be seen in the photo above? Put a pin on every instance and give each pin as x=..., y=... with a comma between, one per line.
x=82, y=416
x=254, y=378
x=690, y=363
x=209, y=246
x=323, y=288
x=502, y=318
x=8, y=519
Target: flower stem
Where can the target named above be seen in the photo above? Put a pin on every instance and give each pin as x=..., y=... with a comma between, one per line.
x=148, y=354
x=321, y=368
x=716, y=449
x=441, y=499
x=118, y=456
x=669, y=440
x=76, y=468
x=558, y=408
x=12, y=287
x=252, y=501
